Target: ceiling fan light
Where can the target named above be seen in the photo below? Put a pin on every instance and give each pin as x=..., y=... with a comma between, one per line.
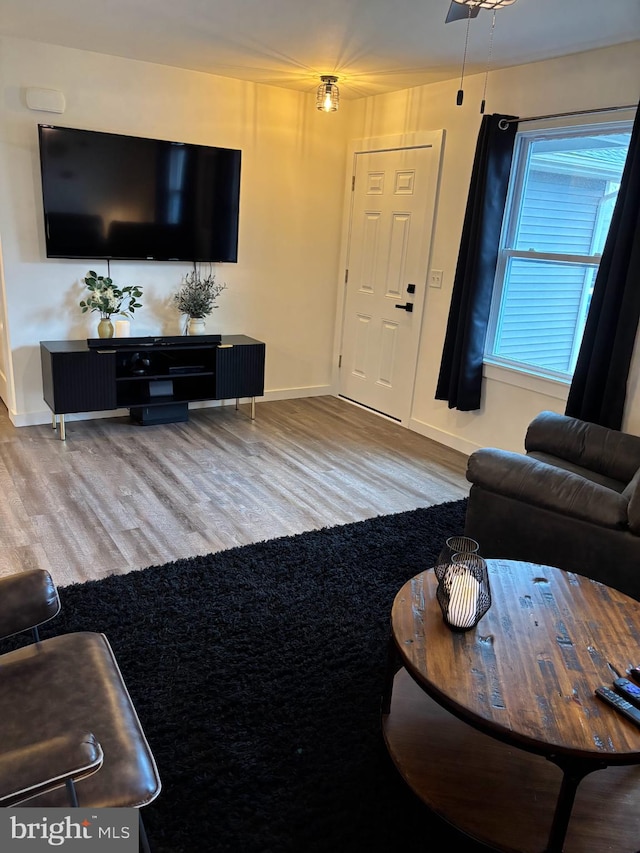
x=485, y=4
x=456, y=14
x=328, y=96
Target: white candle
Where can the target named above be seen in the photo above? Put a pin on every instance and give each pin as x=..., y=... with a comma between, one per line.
x=464, y=591
x=123, y=328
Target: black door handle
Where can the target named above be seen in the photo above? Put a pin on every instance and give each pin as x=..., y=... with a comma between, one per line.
x=408, y=306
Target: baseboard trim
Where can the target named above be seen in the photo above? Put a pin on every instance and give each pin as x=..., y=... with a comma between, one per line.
x=44, y=417
x=37, y=418
x=297, y=393
x=444, y=437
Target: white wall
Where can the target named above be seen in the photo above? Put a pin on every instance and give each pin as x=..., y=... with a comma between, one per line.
x=599, y=78
x=282, y=290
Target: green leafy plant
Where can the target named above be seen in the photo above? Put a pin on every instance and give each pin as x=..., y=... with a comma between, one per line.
x=197, y=296
x=108, y=299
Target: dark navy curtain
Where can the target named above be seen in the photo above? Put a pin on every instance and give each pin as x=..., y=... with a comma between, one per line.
x=599, y=387
x=460, y=379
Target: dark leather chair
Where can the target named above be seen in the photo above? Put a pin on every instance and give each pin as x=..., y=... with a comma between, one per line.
x=572, y=500
x=70, y=732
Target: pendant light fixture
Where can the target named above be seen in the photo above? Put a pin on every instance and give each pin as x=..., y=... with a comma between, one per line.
x=484, y=4
x=328, y=96
x=458, y=11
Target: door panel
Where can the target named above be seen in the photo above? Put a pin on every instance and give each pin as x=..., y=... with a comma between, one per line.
x=390, y=233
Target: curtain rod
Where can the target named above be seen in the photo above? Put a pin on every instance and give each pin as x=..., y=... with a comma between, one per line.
x=504, y=123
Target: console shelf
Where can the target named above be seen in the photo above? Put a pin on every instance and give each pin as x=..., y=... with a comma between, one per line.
x=155, y=380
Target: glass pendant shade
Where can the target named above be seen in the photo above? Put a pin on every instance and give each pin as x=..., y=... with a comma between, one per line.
x=328, y=96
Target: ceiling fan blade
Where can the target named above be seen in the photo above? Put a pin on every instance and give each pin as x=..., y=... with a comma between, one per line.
x=459, y=12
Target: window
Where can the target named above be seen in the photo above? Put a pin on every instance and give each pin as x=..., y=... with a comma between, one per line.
x=563, y=189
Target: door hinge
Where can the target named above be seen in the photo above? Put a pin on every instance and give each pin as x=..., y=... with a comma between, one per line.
x=339, y=361
x=346, y=276
x=353, y=182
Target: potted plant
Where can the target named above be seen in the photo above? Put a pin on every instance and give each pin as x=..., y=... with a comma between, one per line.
x=196, y=299
x=108, y=299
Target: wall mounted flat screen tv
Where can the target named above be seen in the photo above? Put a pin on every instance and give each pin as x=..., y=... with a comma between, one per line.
x=111, y=196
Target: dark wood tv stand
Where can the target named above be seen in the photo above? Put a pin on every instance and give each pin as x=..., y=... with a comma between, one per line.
x=155, y=380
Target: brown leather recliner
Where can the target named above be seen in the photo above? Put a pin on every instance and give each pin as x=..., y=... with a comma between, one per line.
x=572, y=500
x=70, y=732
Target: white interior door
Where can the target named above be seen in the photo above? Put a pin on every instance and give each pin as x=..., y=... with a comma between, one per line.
x=394, y=197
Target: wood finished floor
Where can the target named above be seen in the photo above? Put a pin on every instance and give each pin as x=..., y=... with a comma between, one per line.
x=116, y=497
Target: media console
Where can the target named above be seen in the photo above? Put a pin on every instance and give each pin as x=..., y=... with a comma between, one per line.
x=155, y=378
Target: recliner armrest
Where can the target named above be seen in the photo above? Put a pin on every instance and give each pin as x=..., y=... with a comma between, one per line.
x=539, y=484
x=27, y=599
x=46, y=765
x=607, y=451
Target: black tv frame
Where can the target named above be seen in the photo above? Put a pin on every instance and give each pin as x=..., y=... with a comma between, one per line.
x=204, y=231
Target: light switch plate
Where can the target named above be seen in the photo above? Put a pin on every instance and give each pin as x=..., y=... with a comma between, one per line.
x=435, y=278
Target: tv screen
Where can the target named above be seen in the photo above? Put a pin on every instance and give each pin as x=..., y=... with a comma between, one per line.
x=111, y=196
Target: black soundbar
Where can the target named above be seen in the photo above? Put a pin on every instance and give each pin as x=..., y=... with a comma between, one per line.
x=163, y=341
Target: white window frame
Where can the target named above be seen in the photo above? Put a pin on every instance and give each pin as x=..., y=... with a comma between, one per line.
x=499, y=367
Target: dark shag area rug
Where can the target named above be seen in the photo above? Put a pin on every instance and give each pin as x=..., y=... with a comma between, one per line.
x=257, y=674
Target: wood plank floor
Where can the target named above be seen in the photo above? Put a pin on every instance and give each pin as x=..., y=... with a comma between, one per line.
x=115, y=497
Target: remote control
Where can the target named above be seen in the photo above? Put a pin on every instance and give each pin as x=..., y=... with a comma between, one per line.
x=634, y=672
x=628, y=690
x=621, y=705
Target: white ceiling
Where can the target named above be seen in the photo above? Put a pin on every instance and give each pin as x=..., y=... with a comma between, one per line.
x=373, y=46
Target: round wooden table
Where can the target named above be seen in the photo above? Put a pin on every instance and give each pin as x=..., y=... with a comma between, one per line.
x=498, y=729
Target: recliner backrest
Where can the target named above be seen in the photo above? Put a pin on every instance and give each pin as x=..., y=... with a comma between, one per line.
x=610, y=452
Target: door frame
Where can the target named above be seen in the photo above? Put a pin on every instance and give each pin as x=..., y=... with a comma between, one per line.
x=419, y=139
x=7, y=388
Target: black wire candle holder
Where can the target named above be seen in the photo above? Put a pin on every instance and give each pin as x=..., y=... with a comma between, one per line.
x=454, y=545
x=463, y=591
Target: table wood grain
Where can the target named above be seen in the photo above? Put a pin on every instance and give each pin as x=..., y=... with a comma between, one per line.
x=527, y=672
x=473, y=715
x=498, y=794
